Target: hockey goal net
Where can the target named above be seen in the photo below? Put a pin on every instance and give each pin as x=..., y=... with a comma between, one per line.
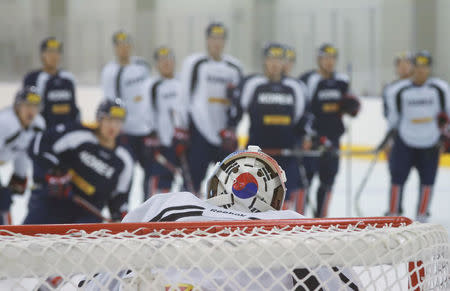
x=387, y=253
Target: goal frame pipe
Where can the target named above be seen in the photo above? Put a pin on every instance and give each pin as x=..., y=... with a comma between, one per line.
x=416, y=268
x=212, y=226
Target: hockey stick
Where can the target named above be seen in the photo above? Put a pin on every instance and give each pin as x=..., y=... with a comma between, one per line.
x=317, y=153
x=187, y=174
x=176, y=171
x=292, y=152
x=363, y=183
x=309, y=202
x=80, y=201
x=162, y=160
x=89, y=207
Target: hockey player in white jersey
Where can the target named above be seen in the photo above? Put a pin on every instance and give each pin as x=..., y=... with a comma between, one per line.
x=204, y=82
x=123, y=79
x=403, y=71
x=245, y=185
x=418, y=110
x=20, y=123
x=170, y=118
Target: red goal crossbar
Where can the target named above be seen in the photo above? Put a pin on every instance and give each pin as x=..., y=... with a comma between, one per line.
x=212, y=226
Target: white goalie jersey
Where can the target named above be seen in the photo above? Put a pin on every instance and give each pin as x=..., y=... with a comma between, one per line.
x=184, y=206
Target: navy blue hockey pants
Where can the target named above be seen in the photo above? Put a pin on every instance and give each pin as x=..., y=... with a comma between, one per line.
x=44, y=209
x=401, y=159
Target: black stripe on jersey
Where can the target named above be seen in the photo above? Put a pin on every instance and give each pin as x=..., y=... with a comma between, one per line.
x=236, y=67
x=195, y=75
x=441, y=96
x=182, y=207
x=398, y=98
x=153, y=91
x=179, y=215
x=12, y=138
x=118, y=77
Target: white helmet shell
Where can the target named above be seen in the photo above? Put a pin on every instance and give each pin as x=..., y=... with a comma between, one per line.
x=249, y=181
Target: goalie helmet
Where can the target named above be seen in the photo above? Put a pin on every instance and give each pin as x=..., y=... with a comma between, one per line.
x=248, y=181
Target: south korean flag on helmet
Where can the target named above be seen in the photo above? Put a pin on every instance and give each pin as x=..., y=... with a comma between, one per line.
x=248, y=181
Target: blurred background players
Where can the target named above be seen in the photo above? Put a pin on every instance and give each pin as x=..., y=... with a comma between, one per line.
x=123, y=79
x=170, y=118
x=418, y=110
x=403, y=71
x=204, y=82
x=55, y=86
x=329, y=98
x=290, y=57
x=83, y=162
x=20, y=123
x=275, y=105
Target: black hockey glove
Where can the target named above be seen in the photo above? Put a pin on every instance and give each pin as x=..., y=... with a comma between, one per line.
x=443, y=120
x=59, y=183
x=350, y=105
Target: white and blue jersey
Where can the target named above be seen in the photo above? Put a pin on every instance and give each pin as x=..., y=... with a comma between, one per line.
x=275, y=110
x=14, y=140
x=99, y=175
x=125, y=83
x=168, y=111
x=204, y=83
x=413, y=110
x=58, y=95
x=324, y=96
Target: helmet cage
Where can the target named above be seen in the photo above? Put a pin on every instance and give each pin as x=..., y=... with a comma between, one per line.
x=266, y=171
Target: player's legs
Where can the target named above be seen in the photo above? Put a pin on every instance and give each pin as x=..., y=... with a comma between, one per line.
x=427, y=161
x=135, y=145
x=84, y=216
x=5, y=204
x=201, y=153
x=302, y=201
x=295, y=194
x=48, y=210
x=309, y=167
x=400, y=161
x=161, y=179
x=328, y=168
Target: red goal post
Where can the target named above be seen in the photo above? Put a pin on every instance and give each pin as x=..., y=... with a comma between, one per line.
x=377, y=253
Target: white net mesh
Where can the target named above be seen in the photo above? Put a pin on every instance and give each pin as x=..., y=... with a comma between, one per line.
x=347, y=254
